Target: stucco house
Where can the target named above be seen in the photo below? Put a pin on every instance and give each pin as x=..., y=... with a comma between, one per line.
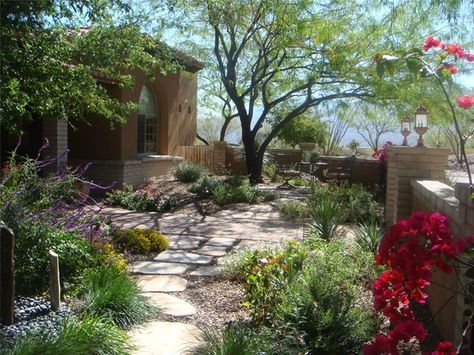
x=131, y=153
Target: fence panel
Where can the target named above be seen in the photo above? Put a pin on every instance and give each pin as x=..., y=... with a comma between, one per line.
x=198, y=154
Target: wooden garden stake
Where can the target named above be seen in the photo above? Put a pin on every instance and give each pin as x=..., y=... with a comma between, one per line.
x=54, y=283
x=7, y=277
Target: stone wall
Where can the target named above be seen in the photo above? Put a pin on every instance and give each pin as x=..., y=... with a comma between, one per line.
x=132, y=172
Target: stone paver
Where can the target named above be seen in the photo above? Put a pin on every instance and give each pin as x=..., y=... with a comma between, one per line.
x=221, y=242
x=157, y=268
x=171, y=305
x=162, y=283
x=212, y=250
x=165, y=338
x=259, y=222
x=178, y=256
x=207, y=271
x=195, y=241
x=185, y=242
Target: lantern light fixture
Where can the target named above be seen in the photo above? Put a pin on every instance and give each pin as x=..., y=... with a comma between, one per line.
x=405, y=129
x=421, y=124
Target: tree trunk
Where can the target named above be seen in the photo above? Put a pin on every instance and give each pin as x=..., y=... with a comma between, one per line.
x=254, y=166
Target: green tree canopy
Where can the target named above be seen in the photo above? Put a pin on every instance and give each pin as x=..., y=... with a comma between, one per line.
x=277, y=59
x=52, y=67
x=304, y=129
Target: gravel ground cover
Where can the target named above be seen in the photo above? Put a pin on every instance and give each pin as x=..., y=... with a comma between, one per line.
x=32, y=314
x=218, y=301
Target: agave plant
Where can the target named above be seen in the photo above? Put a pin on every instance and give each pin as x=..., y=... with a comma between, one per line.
x=368, y=236
x=327, y=215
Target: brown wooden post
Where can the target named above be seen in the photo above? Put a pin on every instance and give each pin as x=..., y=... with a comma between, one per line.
x=54, y=283
x=7, y=277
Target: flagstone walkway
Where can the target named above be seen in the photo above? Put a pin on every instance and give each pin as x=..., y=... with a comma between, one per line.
x=198, y=246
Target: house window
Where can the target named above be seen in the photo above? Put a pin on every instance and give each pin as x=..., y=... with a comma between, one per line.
x=147, y=119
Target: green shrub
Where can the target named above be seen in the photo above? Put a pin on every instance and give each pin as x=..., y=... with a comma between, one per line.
x=327, y=216
x=322, y=305
x=265, y=275
x=33, y=240
x=245, y=193
x=140, y=241
x=368, y=236
x=205, y=185
x=356, y=203
x=294, y=210
x=188, y=172
x=110, y=293
x=130, y=199
x=88, y=336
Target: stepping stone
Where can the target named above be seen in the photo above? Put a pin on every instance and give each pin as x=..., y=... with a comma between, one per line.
x=165, y=338
x=171, y=305
x=157, y=268
x=162, y=283
x=179, y=256
x=207, y=271
x=212, y=250
x=185, y=242
x=221, y=242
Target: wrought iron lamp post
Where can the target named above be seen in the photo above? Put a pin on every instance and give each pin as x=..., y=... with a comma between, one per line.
x=405, y=129
x=421, y=124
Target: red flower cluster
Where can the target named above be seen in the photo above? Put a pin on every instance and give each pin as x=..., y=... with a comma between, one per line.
x=410, y=250
x=465, y=102
x=432, y=42
x=458, y=52
x=381, y=153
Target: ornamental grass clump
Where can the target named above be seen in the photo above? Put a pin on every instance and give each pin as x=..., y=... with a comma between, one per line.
x=110, y=293
x=188, y=172
x=89, y=335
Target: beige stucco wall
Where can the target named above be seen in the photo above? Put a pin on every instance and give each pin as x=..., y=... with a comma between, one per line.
x=175, y=98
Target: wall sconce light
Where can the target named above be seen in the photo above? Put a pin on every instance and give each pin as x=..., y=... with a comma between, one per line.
x=421, y=124
x=405, y=129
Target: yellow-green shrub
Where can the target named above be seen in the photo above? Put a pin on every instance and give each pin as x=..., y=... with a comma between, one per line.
x=110, y=256
x=141, y=241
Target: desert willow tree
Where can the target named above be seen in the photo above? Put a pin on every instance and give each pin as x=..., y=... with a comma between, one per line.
x=285, y=56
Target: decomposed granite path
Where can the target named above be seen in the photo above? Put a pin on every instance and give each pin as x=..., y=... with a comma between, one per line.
x=198, y=245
